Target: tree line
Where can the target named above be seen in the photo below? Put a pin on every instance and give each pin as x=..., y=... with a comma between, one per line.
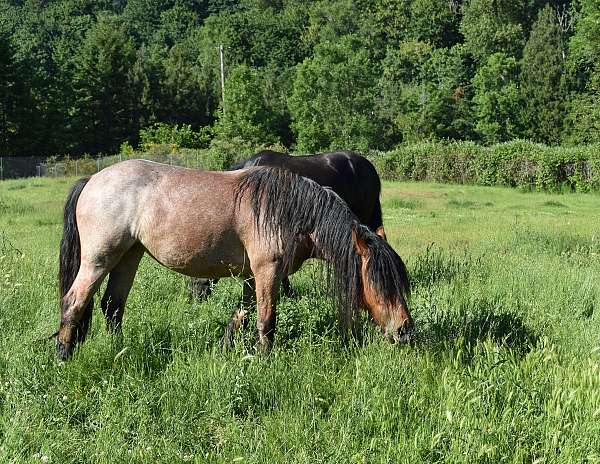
x=85, y=76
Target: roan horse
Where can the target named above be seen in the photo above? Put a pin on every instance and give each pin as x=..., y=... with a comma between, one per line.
x=261, y=221
x=348, y=174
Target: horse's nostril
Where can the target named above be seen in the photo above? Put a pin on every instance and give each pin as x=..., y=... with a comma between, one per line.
x=405, y=329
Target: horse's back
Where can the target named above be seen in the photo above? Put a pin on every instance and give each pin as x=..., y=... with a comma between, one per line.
x=184, y=218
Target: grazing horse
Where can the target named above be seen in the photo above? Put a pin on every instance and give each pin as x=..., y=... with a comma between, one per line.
x=348, y=174
x=260, y=222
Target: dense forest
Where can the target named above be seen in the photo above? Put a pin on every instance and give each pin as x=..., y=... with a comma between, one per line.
x=85, y=76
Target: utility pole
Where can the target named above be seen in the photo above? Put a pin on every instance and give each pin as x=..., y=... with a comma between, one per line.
x=222, y=77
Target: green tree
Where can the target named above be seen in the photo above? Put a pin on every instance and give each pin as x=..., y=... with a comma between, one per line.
x=186, y=95
x=496, y=99
x=143, y=18
x=434, y=21
x=583, y=121
x=387, y=21
x=9, y=96
x=176, y=24
x=245, y=114
x=425, y=92
x=491, y=26
x=542, y=68
x=332, y=102
x=106, y=96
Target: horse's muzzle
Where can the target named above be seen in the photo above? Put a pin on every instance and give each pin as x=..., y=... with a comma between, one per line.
x=402, y=335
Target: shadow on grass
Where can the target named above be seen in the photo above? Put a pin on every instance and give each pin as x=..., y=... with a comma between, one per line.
x=503, y=329
x=436, y=265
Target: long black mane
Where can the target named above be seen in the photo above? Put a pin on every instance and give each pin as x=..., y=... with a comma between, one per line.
x=352, y=176
x=291, y=208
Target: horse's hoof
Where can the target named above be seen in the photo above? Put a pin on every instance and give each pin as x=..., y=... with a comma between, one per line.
x=63, y=350
x=264, y=346
x=199, y=289
x=227, y=338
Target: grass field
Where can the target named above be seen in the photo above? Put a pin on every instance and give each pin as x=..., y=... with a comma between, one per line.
x=505, y=366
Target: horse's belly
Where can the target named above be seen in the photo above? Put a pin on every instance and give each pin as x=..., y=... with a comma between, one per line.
x=198, y=254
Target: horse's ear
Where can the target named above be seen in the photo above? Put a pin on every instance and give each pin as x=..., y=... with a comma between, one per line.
x=381, y=232
x=359, y=244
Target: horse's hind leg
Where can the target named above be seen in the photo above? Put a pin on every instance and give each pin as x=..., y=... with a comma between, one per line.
x=239, y=317
x=119, y=284
x=77, y=307
x=200, y=288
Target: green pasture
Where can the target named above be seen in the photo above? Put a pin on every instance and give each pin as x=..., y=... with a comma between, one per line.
x=505, y=366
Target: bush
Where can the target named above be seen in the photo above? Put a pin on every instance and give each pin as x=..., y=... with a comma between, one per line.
x=179, y=136
x=518, y=163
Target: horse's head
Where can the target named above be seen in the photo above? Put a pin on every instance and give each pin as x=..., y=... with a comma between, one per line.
x=385, y=284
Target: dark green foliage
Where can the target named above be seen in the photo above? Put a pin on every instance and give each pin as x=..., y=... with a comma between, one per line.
x=497, y=100
x=435, y=22
x=244, y=113
x=425, y=92
x=363, y=74
x=541, y=82
x=492, y=26
x=10, y=94
x=583, y=123
x=186, y=95
x=178, y=136
x=332, y=101
x=104, y=88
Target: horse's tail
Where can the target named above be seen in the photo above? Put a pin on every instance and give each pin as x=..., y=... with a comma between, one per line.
x=70, y=245
x=377, y=217
x=376, y=221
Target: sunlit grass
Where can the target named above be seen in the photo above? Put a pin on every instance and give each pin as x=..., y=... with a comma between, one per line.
x=505, y=366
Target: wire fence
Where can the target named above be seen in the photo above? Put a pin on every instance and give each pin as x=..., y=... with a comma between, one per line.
x=31, y=166
x=87, y=166
x=25, y=166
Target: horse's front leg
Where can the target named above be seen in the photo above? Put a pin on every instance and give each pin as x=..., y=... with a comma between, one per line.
x=267, y=279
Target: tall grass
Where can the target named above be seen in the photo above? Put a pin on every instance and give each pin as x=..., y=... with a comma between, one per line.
x=505, y=366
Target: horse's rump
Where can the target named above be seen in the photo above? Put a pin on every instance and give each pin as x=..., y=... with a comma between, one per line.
x=184, y=218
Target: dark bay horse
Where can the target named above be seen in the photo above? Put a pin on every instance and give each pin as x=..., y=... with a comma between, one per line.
x=259, y=222
x=348, y=174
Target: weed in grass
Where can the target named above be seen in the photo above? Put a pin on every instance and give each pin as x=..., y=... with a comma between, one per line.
x=435, y=265
x=533, y=241
x=403, y=203
x=462, y=203
x=14, y=207
x=554, y=204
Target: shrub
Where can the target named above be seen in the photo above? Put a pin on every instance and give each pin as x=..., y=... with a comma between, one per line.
x=518, y=163
x=179, y=136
